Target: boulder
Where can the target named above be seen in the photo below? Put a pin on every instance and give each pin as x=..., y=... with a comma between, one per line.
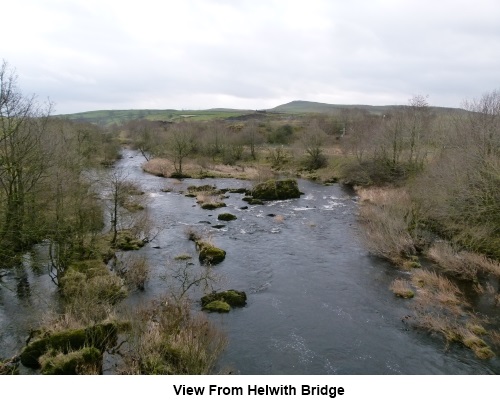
x=226, y=216
x=217, y=306
x=232, y=297
x=210, y=254
x=276, y=190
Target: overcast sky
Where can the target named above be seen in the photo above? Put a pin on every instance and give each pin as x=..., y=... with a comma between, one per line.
x=194, y=54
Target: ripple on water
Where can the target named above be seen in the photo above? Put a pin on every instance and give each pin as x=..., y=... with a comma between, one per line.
x=295, y=344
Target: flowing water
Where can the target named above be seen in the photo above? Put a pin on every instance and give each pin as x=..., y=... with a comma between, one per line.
x=318, y=303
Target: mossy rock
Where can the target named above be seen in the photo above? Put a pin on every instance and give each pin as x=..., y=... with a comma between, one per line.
x=276, y=190
x=226, y=216
x=84, y=361
x=232, y=297
x=213, y=205
x=210, y=254
x=219, y=226
x=126, y=241
x=255, y=201
x=247, y=198
x=217, y=306
x=100, y=336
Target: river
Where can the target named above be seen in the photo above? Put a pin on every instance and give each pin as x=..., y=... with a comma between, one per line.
x=318, y=302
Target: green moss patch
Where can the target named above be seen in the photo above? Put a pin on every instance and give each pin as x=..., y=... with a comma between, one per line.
x=100, y=336
x=276, y=190
x=217, y=306
x=126, y=241
x=84, y=361
x=210, y=254
x=213, y=205
x=226, y=216
x=233, y=297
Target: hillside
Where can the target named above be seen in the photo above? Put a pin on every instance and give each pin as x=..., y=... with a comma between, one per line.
x=300, y=107
x=110, y=117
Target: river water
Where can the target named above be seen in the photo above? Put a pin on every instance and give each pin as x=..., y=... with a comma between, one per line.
x=318, y=303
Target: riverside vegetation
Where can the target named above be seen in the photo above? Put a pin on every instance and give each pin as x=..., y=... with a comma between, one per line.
x=427, y=181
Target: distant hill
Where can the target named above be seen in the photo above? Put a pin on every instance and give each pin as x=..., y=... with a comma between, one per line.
x=299, y=106
x=304, y=107
x=110, y=117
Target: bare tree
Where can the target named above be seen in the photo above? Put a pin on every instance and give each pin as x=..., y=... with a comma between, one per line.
x=23, y=160
x=313, y=141
x=180, y=144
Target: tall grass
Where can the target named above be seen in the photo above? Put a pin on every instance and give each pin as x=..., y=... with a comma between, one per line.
x=387, y=217
x=166, y=338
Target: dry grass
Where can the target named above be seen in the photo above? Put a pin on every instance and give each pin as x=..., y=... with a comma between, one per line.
x=279, y=218
x=402, y=288
x=136, y=273
x=462, y=264
x=386, y=217
x=436, y=289
x=165, y=167
x=166, y=338
x=158, y=167
x=439, y=308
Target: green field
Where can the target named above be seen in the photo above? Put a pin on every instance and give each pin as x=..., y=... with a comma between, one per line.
x=110, y=117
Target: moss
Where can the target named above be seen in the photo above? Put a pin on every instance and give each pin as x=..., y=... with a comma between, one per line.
x=210, y=254
x=190, y=195
x=217, y=306
x=276, y=190
x=100, y=336
x=126, y=241
x=92, y=279
x=247, y=198
x=255, y=201
x=226, y=216
x=232, y=297
x=84, y=361
x=213, y=205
